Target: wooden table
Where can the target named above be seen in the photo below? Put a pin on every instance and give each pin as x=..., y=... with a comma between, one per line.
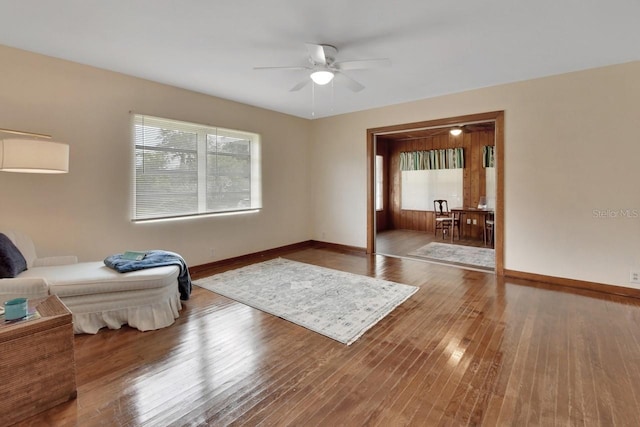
x=37, y=363
x=462, y=211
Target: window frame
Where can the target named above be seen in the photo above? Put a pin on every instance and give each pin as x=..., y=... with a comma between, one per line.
x=202, y=154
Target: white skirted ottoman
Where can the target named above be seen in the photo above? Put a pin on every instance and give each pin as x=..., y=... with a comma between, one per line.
x=99, y=296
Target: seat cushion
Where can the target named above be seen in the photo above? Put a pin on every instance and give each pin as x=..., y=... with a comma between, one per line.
x=88, y=278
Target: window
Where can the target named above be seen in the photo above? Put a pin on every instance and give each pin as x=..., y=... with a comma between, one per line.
x=379, y=184
x=490, y=187
x=421, y=187
x=185, y=169
x=488, y=163
x=430, y=175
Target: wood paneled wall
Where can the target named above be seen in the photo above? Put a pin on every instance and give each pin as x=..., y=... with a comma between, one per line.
x=473, y=178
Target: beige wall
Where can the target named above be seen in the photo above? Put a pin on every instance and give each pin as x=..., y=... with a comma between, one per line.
x=571, y=148
x=87, y=212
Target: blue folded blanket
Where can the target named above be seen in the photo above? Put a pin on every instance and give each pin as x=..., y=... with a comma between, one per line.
x=153, y=259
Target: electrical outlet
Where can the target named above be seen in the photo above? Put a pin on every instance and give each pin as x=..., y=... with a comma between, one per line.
x=212, y=252
x=475, y=221
x=634, y=277
x=468, y=220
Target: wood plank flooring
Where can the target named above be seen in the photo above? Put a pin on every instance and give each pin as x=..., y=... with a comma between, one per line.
x=400, y=243
x=467, y=349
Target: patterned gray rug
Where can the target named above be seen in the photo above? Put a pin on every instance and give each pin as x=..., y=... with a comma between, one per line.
x=339, y=305
x=479, y=257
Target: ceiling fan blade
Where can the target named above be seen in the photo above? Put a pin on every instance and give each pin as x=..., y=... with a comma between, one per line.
x=362, y=64
x=316, y=53
x=300, y=85
x=350, y=83
x=287, y=67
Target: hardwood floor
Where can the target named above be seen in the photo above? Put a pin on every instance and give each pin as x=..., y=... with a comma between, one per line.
x=467, y=349
x=401, y=242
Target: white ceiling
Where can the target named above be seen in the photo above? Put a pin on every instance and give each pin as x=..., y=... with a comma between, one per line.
x=436, y=46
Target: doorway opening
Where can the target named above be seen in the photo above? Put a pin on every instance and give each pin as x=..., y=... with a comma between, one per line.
x=409, y=165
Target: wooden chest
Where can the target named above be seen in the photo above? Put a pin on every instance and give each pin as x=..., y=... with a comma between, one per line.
x=37, y=363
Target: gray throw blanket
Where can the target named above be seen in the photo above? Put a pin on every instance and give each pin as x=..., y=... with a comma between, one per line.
x=153, y=259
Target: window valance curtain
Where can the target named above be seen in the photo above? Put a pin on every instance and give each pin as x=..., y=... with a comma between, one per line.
x=487, y=156
x=449, y=158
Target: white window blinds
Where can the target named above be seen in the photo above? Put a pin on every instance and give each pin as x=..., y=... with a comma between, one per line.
x=185, y=169
x=379, y=183
x=419, y=188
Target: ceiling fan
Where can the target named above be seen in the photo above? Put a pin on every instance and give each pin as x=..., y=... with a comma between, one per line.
x=323, y=67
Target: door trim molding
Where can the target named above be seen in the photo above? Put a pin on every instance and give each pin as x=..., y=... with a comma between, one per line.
x=497, y=117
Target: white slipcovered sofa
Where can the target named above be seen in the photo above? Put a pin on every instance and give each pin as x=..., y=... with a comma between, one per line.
x=96, y=295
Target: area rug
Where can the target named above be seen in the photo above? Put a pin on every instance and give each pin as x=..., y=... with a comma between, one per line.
x=339, y=305
x=479, y=257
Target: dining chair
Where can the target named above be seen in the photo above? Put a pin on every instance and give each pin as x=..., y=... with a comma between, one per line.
x=455, y=224
x=489, y=223
x=444, y=219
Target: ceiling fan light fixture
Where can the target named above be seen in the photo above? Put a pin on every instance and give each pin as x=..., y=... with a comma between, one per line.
x=321, y=77
x=456, y=131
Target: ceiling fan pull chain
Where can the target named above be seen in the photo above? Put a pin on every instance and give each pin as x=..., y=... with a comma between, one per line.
x=332, y=95
x=313, y=99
